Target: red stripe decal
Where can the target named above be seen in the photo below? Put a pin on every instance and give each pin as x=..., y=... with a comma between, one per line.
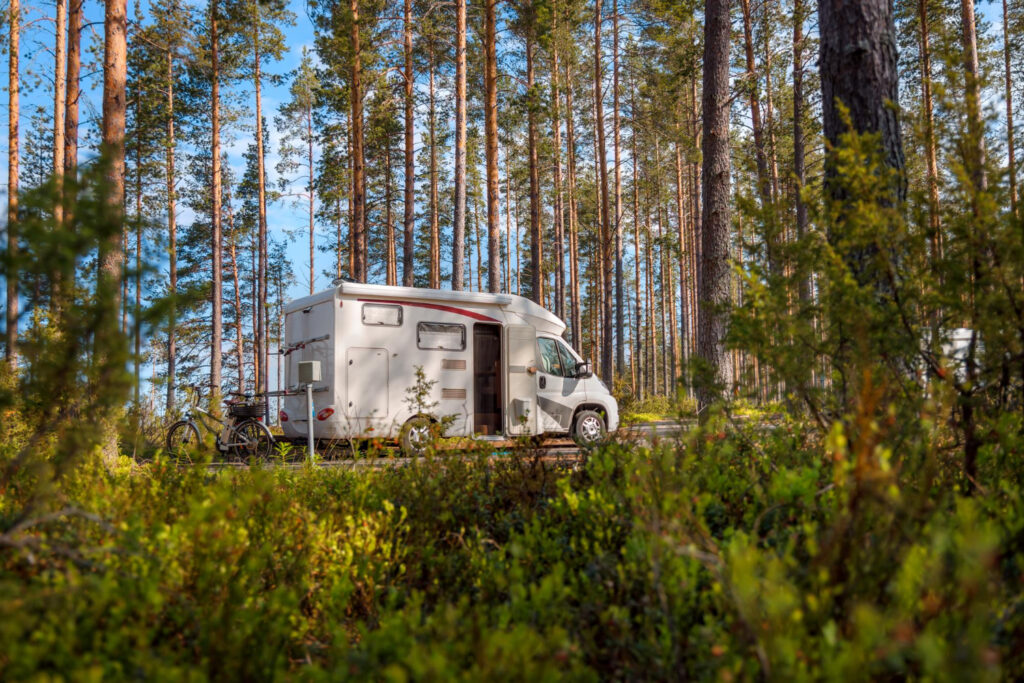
x=436, y=307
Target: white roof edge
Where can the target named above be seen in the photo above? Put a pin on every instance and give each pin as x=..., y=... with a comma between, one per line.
x=421, y=293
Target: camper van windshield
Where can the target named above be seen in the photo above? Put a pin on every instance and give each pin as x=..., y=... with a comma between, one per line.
x=445, y=336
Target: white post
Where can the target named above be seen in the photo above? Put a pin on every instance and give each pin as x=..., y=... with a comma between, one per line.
x=309, y=415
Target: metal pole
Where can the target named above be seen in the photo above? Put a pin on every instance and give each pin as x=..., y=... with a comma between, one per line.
x=309, y=415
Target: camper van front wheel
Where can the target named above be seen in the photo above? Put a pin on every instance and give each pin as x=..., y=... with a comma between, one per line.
x=416, y=435
x=589, y=429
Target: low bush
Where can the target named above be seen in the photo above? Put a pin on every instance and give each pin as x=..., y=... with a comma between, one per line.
x=758, y=551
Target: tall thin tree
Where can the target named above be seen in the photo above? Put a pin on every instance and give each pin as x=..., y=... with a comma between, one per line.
x=216, y=245
x=459, y=222
x=409, y=215
x=491, y=147
x=712, y=317
x=13, y=149
x=607, y=257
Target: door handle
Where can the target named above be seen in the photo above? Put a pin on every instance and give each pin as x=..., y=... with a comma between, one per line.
x=543, y=382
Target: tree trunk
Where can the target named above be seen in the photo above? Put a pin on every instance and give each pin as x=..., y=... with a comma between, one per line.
x=802, y=220
x=620, y=342
x=858, y=69
x=216, y=296
x=713, y=320
x=637, y=254
x=574, y=254
x=435, y=233
x=358, y=175
x=753, y=98
x=111, y=257
x=975, y=124
x=491, y=146
x=59, y=89
x=508, y=223
x=536, y=234
x=929, y=131
x=13, y=114
x=607, y=372
x=260, y=374
x=409, y=216
x=264, y=365
x=1009, y=112
x=556, y=134
x=391, y=257
x=172, y=246
x=681, y=225
x=459, y=222
x=72, y=94
x=239, y=343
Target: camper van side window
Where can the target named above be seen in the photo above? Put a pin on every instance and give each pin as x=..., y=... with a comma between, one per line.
x=444, y=336
x=384, y=315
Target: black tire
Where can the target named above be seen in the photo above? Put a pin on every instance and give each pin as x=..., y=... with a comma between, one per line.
x=259, y=441
x=589, y=429
x=182, y=441
x=416, y=436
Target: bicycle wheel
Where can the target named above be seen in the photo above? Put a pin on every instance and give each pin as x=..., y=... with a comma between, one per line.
x=252, y=441
x=182, y=440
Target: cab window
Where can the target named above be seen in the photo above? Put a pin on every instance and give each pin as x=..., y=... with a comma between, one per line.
x=568, y=360
x=550, y=361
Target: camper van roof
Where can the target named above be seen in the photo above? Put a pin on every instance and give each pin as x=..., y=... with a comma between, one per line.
x=508, y=302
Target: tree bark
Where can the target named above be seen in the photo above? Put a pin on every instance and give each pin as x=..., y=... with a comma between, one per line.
x=975, y=124
x=620, y=342
x=536, y=234
x=409, y=216
x=929, y=131
x=239, y=343
x=459, y=222
x=260, y=374
x=391, y=257
x=264, y=364
x=216, y=296
x=1009, y=111
x=637, y=254
x=435, y=233
x=713, y=319
x=556, y=134
x=491, y=147
x=576, y=323
x=73, y=91
x=358, y=163
x=859, y=69
x=59, y=90
x=13, y=116
x=799, y=155
x=172, y=246
x=607, y=372
x=753, y=98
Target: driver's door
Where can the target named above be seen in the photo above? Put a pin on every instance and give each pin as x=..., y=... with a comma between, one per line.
x=555, y=385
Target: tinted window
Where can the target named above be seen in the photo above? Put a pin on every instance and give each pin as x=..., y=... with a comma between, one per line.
x=387, y=315
x=445, y=336
x=550, y=362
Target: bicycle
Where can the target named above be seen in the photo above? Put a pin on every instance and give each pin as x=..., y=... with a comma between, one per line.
x=243, y=436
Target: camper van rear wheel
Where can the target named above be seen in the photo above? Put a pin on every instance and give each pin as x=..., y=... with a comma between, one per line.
x=416, y=435
x=589, y=429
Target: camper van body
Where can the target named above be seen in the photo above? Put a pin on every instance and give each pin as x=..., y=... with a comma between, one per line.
x=492, y=365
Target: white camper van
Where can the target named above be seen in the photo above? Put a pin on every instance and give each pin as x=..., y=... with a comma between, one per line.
x=496, y=363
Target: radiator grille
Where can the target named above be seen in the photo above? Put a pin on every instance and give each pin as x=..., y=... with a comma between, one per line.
x=453, y=364
x=453, y=393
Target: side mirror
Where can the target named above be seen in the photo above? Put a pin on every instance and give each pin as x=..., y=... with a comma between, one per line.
x=583, y=370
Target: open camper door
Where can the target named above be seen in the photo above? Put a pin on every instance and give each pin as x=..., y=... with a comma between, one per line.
x=521, y=392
